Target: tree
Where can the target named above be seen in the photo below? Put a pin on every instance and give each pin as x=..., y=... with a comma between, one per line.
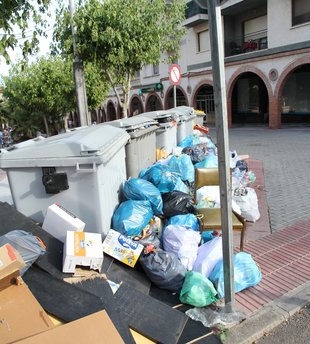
x=17, y=15
x=122, y=36
x=41, y=95
x=42, y=92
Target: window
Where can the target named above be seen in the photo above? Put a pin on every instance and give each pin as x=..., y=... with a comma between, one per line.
x=203, y=42
x=137, y=74
x=155, y=68
x=300, y=12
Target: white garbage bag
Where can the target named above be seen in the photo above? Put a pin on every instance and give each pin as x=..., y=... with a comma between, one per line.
x=209, y=254
x=248, y=204
x=183, y=241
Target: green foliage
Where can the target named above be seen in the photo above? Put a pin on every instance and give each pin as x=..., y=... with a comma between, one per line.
x=121, y=36
x=96, y=86
x=40, y=92
x=18, y=14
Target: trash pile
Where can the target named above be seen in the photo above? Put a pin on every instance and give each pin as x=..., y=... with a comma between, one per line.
x=158, y=212
x=155, y=240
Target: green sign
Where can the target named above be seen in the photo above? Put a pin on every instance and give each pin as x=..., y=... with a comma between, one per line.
x=151, y=88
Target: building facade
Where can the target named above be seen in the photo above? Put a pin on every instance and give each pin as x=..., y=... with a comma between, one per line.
x=267, y=66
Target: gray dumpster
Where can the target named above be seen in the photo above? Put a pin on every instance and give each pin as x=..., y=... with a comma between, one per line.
x=141, y=148
x=81, y=170
x=166, y=134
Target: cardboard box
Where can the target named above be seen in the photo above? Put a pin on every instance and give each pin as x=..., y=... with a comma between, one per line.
x=21, y=315
x=58, y=221
x=82, y=248
x=95, y=328
x=10, y=261
x=122, y=248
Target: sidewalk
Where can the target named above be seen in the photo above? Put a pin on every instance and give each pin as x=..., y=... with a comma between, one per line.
x=284, y=260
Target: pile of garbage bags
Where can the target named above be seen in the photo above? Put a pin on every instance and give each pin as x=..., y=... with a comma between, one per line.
x=157, y=210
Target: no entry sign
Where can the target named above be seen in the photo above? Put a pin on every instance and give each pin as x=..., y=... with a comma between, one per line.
x=175, y=74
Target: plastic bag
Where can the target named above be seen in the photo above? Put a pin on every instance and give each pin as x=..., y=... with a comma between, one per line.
x=161, y=176
x=211, y=194
x=209, y=254
x=248, y=204
x=177, y=203
x=163, y=269
x=131, y=217
x=29, y=247
x=183, y=242
x=180, y=186
x=189, y=220
x=246, y=274
x=219, y=316
x=209, y=162
x=183, y=165
x=197, y=152
x=197, y=290
x=142, y=190
x=150, y=239
x=190, y=140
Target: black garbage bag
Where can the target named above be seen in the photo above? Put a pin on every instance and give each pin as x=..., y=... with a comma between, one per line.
x=164, y=269
x=177, y=203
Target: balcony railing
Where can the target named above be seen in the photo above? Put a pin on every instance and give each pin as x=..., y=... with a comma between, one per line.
x=246, y=44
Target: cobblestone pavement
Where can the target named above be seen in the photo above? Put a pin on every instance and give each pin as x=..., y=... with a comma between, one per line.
x=286, y=159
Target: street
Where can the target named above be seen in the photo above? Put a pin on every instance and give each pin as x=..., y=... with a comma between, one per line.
x=294, y=331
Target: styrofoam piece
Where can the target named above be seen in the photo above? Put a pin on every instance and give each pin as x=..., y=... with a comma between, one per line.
x=59, y=220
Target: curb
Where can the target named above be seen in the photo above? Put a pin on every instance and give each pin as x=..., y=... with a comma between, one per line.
x=269, y=317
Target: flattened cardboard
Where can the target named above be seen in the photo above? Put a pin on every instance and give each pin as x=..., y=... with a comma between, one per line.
x=95, y=328
x=21, y=315
x=58, y=221
x=10, y=261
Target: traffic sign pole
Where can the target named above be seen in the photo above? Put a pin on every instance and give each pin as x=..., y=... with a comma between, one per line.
x=175, y=77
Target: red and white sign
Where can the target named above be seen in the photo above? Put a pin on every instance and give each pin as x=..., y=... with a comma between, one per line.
x=175, y=74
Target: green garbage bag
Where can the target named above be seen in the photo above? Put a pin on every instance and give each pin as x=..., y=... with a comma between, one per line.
x=197, y=290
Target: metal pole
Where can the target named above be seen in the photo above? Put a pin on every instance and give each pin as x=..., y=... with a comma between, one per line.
x=174, y=95
x=78, y=70
x=220, y=102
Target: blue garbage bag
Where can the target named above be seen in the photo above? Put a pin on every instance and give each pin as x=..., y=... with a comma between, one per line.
x=162, y=176
x=183, y=165
x=189, y=220
x=209, y=162
x=190, y=140
x=131, y=217
x=246, y=274
x=142, y=190
x=180, y=186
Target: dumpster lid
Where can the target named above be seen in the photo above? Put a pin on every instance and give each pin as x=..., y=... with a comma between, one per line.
x=103, y=140
x=133, y=123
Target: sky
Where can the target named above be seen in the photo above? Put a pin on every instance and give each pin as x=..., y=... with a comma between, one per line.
x=16, y=54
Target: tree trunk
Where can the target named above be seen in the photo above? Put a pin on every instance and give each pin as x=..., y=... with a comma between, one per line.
x=46, y=125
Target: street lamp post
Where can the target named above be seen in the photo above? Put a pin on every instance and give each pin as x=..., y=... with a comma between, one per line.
x=220, y=102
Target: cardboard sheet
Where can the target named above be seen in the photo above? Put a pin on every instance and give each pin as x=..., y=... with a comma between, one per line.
x=95, y=328
x=21, y=315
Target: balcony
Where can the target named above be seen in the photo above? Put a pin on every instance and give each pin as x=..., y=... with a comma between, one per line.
x=194, y=15
x=245, y=44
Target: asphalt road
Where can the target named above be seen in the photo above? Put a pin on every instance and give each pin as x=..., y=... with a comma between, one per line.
x=294, y=331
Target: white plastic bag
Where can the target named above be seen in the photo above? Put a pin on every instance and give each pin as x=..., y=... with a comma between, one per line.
x=209, y=197
x=209, y=254
x=183, y=242
x=248, y=205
